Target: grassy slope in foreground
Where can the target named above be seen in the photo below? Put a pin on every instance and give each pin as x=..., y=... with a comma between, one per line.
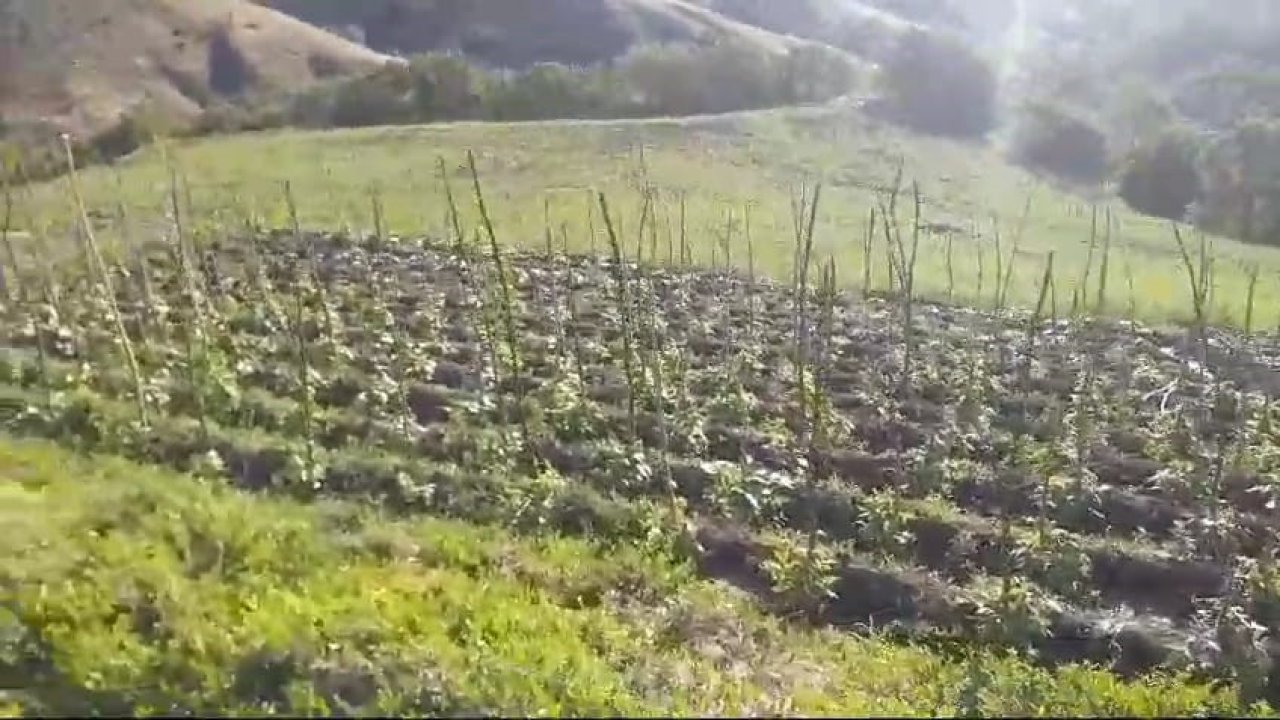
x=126, y=589
x=721, y=164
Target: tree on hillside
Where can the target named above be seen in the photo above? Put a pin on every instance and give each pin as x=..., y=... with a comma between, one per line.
x=814, y=72
x=1161, y=177
x=1217, y=98
x=1055, y=140
x=1241, y=175
x=384, y=97
x=447, y=87
x=1135, y=113
x=936, y=84
x=552, y=90
x=661, y=77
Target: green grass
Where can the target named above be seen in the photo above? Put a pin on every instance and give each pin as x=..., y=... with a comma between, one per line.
x=126, y=589
x=720, y=165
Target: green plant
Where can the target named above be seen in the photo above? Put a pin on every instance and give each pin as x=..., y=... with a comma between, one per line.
x=936, y=84
x=801, y=573
x=1055, y=140
x=1161, y=176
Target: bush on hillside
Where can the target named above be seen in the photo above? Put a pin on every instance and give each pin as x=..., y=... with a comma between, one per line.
x=549, y=91
x=1240, y=171
x=383, y=98
x=1160, y=177
x=1135, y=114
x=682, y=80
x=447, y=87
x=649, y=81
x=1216, y=98
x=813, y=73
x=34, y=151
x=935, y=83
x=1054, y=140
x=127, y=135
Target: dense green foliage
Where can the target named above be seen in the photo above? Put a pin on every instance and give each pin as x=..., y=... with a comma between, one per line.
x=1052, y=139
x=649, y=81
x=1161, y=176
x=1227, y=182
x=1242, y=182
x=32, y=152
x=935, y=83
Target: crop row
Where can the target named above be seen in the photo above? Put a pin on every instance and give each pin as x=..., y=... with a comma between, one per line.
x=943, y=466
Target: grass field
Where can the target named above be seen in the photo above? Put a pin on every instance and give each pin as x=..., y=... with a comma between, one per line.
x=721, y=166
x=132, y=590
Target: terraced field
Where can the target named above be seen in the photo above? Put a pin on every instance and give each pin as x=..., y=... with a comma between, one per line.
x=1075, y=492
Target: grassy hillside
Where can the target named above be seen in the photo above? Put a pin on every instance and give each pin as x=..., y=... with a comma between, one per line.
x=517, y=34
x=719, y=166
x=79, y=65
x=125, y=589
x=850, y=25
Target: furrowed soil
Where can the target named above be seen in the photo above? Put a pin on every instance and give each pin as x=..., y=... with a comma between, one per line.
x=969, y=482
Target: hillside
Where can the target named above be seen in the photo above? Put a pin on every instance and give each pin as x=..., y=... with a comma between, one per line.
x=718, y=165
x=520, y=33
x=79, y=65
x=866, y=31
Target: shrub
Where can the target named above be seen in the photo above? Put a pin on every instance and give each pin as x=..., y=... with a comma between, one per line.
x=1160, y=176
x=33, y=151
x=659, y=77
x=934, y=83
x=651, y=80
x=127, y=135
x=1136, y=114
x=1054, y=140
x=545, y=91
x=815, y=73
x=386, y=97
x=1241, y=175
x=446, y=87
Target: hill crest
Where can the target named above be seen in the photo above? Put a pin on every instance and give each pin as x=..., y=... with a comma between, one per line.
x=80, y=66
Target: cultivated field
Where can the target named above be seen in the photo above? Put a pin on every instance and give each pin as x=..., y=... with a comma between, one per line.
x=696, y=470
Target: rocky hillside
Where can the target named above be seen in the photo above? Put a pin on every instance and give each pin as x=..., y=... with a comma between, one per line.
x=79, y=65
